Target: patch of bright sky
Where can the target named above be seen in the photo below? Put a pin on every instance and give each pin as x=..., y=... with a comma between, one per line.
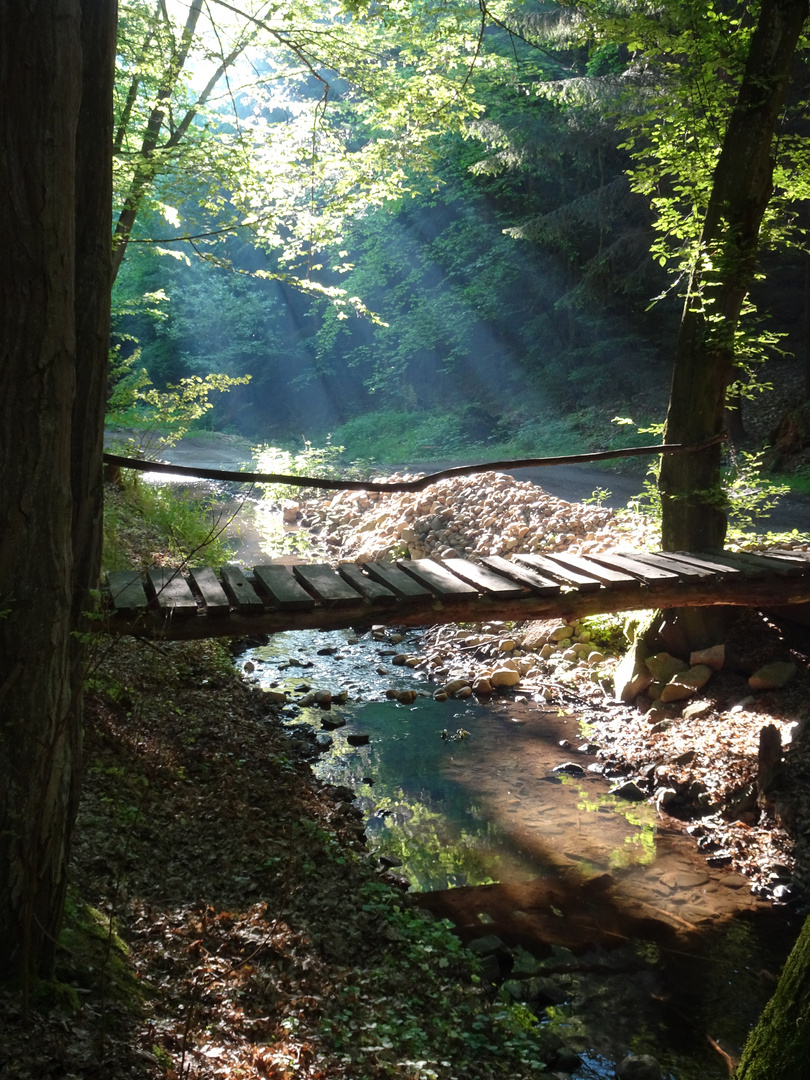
x=217, y=30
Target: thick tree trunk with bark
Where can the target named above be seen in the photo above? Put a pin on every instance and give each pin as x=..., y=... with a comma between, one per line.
x=779, y=1046
x=56, y=65
x=691, y=494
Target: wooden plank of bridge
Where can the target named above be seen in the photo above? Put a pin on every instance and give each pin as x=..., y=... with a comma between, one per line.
x=709, y=562
x=213, y=595
x=278, y=583
x=241, y=592
x=650, y=575
x=484, y=580
x=126, y=591
x=788, y=555
x=400, y=583
x=665, y=561
x=434, y=576
x=329, y=587
x=368, y=588
x=762, y=564
x=543, y=586
x=741, y=565
x=171, y=591
x=610, y=577
x=560, y=571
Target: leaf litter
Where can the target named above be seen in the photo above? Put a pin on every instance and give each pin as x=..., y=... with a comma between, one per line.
x=238, y=926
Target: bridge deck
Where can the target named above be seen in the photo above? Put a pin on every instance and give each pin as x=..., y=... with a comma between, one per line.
x=199, y=603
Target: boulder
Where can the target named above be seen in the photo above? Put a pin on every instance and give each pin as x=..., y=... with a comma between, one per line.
x=525, y=964
x=713, y=657
x=570, y=768
x=697, y=708
x=664, y=796
x=357, y=738
x=489, y=943
x=454, y=686
x=535, y=635
x=332, y=722
x=638, y=1067
x=275, y=697
x=504, y=676
x=632, y=675
x=772, y=676
x=663, y=666
x=482, y=687
x=686, y=684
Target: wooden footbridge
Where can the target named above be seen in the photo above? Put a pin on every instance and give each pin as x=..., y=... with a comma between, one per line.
x=199, y=602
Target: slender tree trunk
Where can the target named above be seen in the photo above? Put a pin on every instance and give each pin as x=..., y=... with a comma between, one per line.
x=691, y=494
x=55, y=129
x=149, y=166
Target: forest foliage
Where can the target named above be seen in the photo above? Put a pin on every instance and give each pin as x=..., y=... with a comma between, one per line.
x=518, y=271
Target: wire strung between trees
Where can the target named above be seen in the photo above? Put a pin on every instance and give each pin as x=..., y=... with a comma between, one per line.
x=404, y=485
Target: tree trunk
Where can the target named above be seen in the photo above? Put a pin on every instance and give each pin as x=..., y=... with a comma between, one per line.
x=55, y=128
x=779, y=1046
x=693, y=504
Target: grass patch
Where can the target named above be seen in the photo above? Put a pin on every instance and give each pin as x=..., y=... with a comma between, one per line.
x=144, y=524
x=398, y=437
x=797, y=482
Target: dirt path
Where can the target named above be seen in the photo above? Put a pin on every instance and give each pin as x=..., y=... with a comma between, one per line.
x=574, y=483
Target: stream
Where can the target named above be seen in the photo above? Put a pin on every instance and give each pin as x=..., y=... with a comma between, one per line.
x=621, y=935
x=597, y=912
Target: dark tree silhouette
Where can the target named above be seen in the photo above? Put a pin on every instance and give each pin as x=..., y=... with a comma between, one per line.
x=56, y=76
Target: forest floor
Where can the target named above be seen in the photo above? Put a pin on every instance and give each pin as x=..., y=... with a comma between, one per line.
x=226, y=920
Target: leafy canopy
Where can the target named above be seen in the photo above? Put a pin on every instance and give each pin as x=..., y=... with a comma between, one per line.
x=278, y=120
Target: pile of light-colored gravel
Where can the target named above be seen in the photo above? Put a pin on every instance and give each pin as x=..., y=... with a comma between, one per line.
x=485, y=514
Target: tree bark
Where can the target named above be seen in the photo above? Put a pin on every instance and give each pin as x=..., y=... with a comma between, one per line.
x=693, y=504
x=779, y=1046
x=55, y=128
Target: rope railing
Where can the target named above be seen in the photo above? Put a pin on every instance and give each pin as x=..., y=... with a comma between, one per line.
x=419, y=484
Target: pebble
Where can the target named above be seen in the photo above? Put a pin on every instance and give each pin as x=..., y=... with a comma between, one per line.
x=570, y=768
x=628, y=790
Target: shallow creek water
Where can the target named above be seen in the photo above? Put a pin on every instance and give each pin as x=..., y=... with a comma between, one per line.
x=640, y=944
x=636, y=944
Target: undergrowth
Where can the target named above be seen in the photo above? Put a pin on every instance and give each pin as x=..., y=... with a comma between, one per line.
x=145, y=523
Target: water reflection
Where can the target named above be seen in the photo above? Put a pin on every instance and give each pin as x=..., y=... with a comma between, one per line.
x=492, y=806
x=482, y=808
x=638, y=944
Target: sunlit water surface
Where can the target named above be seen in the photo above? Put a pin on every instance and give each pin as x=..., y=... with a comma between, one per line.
x=655, y=950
